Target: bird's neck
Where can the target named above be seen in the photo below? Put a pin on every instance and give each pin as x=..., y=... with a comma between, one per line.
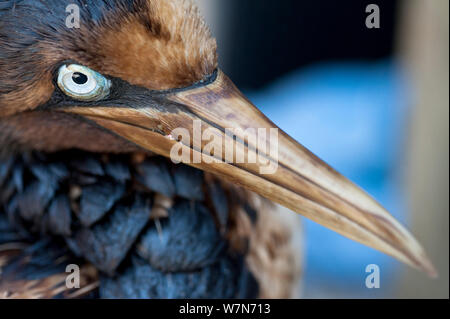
x=55, y=131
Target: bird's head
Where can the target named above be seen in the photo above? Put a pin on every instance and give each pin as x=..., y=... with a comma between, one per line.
x=143, y=75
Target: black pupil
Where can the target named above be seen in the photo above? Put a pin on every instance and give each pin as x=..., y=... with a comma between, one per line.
x=79, y=78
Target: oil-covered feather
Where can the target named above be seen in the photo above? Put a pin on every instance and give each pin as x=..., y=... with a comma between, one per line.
x=59, y=217
x=97, y=200
x=188, y=182
x=118, y=170
x=141, y=280
x=88, y=164
x=5, y=168
x=187, y=240
x=35, y=198
x=107, y=243
x=155, y=175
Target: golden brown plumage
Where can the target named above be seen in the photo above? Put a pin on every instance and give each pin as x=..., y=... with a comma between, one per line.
x=275, y=247
x=157, y=44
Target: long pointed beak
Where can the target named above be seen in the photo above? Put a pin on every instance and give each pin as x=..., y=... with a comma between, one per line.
x=215, y=128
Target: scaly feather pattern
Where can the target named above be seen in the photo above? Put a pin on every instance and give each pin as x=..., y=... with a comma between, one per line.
x=130, y=216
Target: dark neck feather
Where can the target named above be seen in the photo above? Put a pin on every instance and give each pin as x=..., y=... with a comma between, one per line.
x=144, y=223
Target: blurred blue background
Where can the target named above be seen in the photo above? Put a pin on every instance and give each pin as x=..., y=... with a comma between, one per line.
x=315, y=70
x=352, y=116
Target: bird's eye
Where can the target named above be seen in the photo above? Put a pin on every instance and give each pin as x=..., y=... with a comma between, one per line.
x=82, y=83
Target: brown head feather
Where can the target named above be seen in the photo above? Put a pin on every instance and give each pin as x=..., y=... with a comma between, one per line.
x=166, y=45
x=157, y=44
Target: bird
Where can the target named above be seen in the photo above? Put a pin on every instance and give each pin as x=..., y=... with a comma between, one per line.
x=114, y=160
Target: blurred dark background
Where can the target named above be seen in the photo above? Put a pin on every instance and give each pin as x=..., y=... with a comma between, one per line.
x=271, y=38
